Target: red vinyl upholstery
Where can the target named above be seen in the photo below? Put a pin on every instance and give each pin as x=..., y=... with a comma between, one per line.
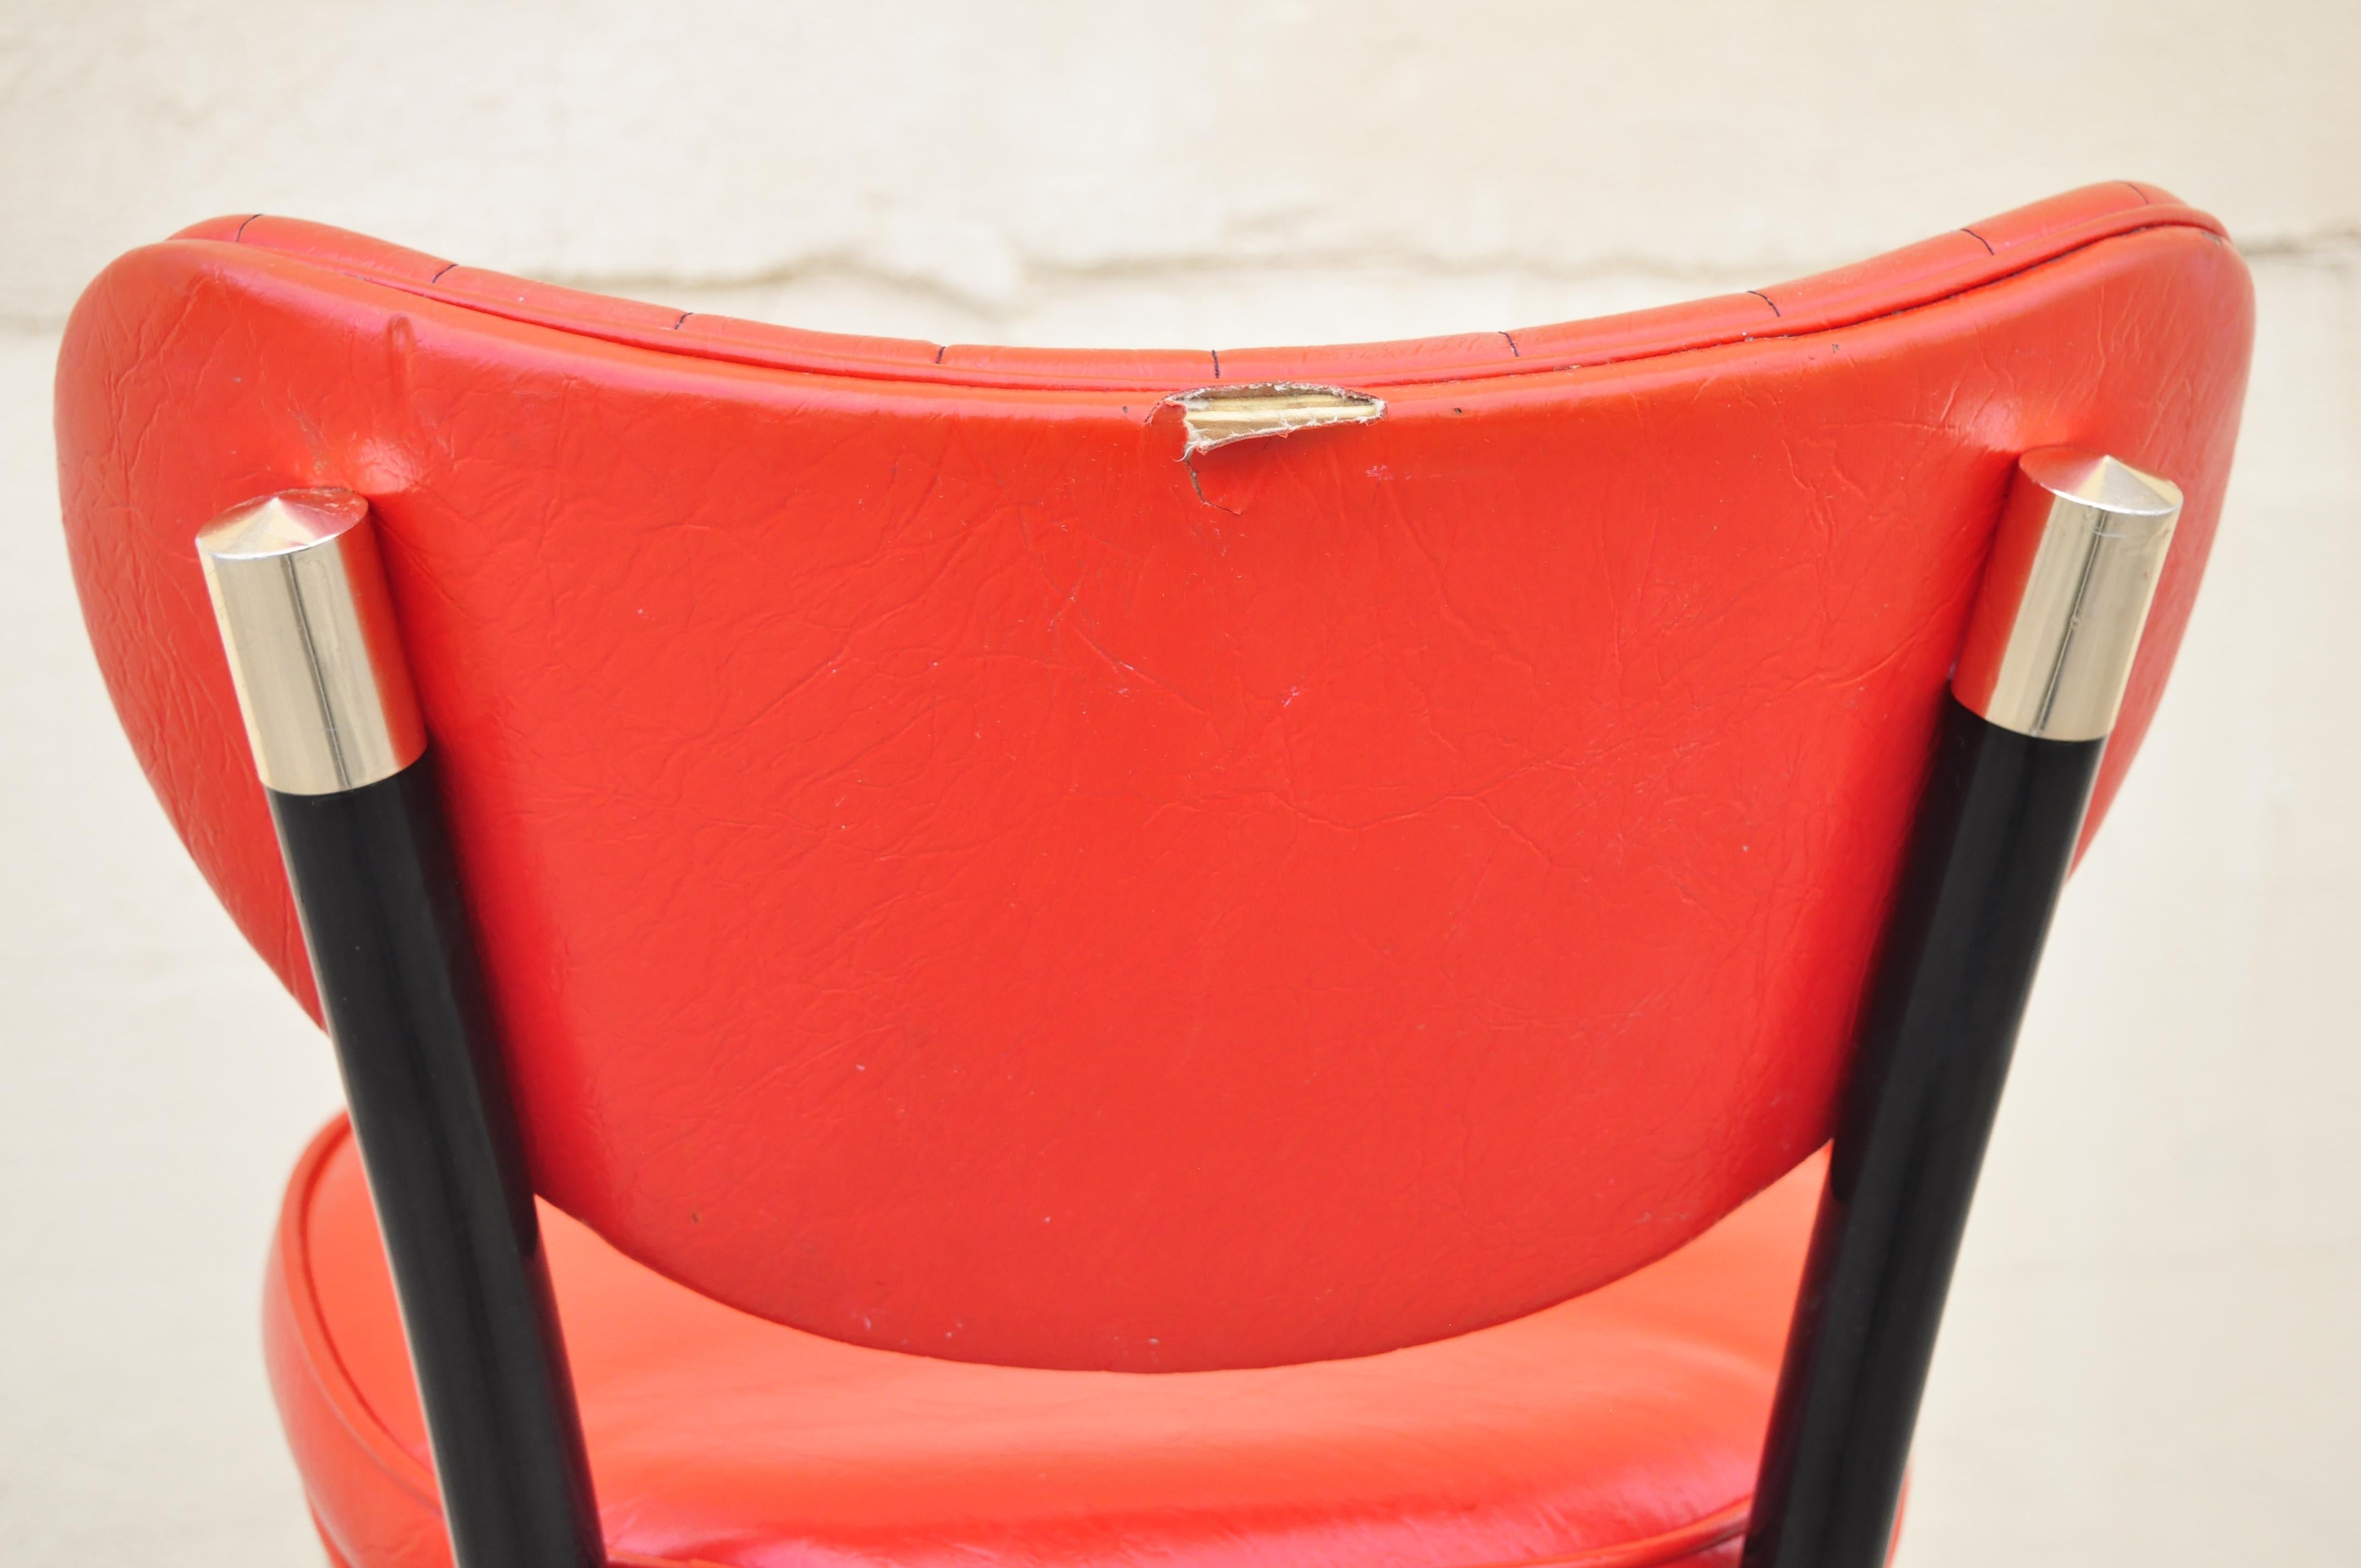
x=957, y=876
x=1614, y=1432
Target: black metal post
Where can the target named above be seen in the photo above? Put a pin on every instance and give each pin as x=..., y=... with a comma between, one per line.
x=396, y=968
x=1995, y=836
x=2037, y=691
x=301, y=597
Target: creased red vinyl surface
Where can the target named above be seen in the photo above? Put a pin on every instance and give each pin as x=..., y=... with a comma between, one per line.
x=957, y=878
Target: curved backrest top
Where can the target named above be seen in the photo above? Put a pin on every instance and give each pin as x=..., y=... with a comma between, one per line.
x=1965, y=259
x=974, y=860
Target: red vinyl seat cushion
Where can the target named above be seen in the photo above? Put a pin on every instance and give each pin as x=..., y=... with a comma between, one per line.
x=1620, y=1429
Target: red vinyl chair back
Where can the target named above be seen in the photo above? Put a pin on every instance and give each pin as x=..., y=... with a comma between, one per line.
x=960, y=874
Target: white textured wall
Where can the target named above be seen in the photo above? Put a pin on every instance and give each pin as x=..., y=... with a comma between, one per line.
x=2152, y=1355
x=1095, y=172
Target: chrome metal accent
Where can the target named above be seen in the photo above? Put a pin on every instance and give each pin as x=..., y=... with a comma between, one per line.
x=2066, y=593
x=299, y=591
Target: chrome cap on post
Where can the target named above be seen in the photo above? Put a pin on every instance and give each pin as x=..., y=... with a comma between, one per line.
x=2066, y=594
x=300, y=593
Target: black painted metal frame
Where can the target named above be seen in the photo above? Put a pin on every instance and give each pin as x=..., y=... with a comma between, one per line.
x=390, y=946
x=403, y=995
x=1993, y=840
x=399, y=983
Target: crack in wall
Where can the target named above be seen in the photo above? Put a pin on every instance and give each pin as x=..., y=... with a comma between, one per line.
x=1036, y=275
x=1040, y=282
